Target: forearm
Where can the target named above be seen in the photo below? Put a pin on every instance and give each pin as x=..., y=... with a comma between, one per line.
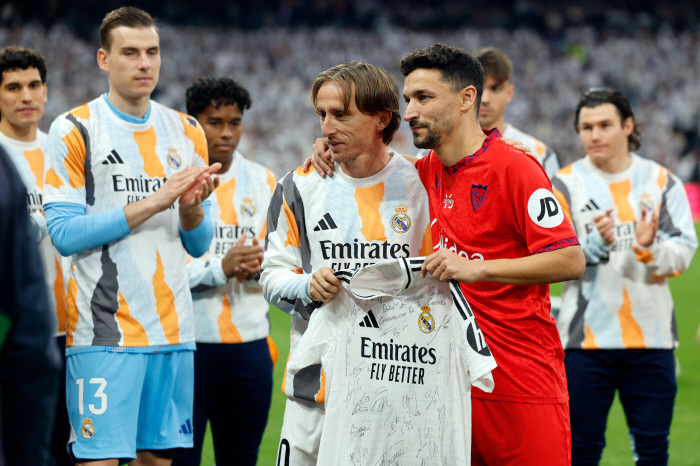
x=537, y=269
x=197, y=239
x=594, y=247
x=205, y=274
x=138, y=212
x=72, y=231
x=191, y=217
x=282, y=288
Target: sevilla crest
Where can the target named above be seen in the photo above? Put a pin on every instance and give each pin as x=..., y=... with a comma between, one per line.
x=478, y=195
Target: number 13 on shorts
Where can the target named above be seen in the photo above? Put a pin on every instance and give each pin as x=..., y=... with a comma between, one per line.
x=99, y=393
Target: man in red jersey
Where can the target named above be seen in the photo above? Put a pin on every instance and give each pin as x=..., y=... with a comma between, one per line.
x=499, y=231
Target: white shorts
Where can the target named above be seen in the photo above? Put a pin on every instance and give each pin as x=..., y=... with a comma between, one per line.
x=301, y=433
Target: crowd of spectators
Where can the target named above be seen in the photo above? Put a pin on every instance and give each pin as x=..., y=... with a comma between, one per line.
x=658, y=70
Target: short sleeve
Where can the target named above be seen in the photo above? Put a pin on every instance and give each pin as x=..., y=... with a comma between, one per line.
x=537, y=214
x=64, y=167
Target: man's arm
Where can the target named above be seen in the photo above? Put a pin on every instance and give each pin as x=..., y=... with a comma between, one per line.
x=537, y=269
x=667, y=242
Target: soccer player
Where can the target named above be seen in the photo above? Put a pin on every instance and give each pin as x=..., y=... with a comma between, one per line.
x=230, y=312
x=497, y=94
x=124, y=191
x=23, y=93
x=374, y=208
x=617, y=322
x=499, y=231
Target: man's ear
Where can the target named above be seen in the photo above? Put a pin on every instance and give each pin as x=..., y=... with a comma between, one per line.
x=467, y=98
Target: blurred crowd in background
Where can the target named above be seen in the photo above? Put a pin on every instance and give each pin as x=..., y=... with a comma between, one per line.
x=653, y=56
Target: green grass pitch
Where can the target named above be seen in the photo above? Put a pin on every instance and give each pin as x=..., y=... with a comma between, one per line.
x=685, y=430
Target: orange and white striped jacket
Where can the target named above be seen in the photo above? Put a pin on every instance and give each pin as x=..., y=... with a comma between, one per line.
x=623, y=300
x=342, y=223
x=132, y=292
x=28, y=158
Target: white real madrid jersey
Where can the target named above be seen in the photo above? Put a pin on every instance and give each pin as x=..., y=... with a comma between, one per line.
x=28, y=158
x=133, y=291
x=623, y=299
x=233, y=311
x=399, y=353
x=342, y=223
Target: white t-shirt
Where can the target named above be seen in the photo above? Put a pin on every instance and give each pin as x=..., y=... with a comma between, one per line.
x=399, y=354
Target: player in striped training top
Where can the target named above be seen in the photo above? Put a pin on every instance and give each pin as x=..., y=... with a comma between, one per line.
x=124, y=192
x=230, y=312
x=23, y=93
x=373, y=209
x=617, y=323
x=400, y=354
x=498, y=92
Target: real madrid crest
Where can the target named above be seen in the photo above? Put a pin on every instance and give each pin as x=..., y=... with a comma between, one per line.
x=87, y=430
x=173, y=159
x=645, y=203
x=247, y=208
x=401, y=222
x=426, y=323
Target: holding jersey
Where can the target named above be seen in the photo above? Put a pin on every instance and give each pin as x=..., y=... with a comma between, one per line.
x=399, y=353
x=373, y=209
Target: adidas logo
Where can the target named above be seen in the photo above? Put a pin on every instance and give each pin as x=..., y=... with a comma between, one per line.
x=186, y=428
x=369, y=320
x=326, y=223
x=590, y=205
x=113, y=159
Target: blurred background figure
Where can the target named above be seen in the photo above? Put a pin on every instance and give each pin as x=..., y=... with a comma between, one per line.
x=29, y=357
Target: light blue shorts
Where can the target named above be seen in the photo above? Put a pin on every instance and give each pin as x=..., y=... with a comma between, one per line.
x=119, y=403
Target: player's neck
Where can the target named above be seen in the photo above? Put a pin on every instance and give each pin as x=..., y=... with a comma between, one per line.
x=137, y=107
x=19, y=133
x=367, y=164
x=616, y=164
x=463, y=142
x=500, y=124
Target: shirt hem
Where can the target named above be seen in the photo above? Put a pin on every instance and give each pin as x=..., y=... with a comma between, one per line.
x=521, y=399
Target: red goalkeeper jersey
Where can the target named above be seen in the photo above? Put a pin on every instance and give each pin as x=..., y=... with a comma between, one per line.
x=498, y=204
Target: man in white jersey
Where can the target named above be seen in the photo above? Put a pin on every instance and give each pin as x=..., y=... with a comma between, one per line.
x=230, y=312
x=498, y=92
x=374, y=208
x=617, y=322
x=399, y=353
x=125, y=184
x=23, y=93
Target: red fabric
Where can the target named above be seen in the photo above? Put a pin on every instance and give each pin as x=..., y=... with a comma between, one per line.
x=525, y=434
x=494, y=223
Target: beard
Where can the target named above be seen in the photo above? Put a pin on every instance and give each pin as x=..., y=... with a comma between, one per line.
x=443, y=126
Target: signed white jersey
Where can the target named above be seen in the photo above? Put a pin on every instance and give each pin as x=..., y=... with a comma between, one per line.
x=399, y=353
x=623, y=299
x=28, y=158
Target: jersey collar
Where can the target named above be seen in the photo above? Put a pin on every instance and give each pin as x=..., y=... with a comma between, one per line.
x=491, y=135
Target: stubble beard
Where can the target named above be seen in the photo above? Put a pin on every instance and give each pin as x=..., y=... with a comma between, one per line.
x=443, y=126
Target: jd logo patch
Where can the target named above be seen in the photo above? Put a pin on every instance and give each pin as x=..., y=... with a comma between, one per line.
x=544, y=210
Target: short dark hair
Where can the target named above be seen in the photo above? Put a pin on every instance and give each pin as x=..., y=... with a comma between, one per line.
x=598, y=96
x=21, y=58
x=496, y=64
x=375, y=91
x=215, y=91
x=128, y=16
x=459, y=68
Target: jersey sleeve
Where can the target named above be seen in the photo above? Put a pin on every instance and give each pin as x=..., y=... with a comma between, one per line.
x=536, y=212
x=286, y=267
x=64, y=166
x=676, y=240
x=474, y=351
x=550, y=162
